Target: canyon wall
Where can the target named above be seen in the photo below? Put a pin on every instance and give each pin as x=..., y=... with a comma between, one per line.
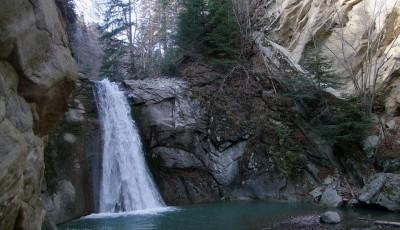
x=36, y=77
x=73, y=159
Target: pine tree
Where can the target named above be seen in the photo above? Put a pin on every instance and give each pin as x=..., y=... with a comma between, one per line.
x=222, y=37
x=191, y=24
x=209, y=28
x=334, y=119
x=113, y=66
x=117, y=39
x=319, y=68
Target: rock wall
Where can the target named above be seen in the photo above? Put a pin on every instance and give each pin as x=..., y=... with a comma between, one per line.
x=172, y=126
x=211, y=137
x=36, y=77
x=72, y=159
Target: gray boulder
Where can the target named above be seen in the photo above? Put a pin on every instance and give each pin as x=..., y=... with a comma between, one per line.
x=330, y=218
x=382, y=189
x=369, y=145
x=331, y=198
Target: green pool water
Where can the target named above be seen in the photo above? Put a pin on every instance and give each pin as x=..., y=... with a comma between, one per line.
x=255, y=215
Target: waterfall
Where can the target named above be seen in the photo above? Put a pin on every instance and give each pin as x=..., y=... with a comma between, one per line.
x=126, y=183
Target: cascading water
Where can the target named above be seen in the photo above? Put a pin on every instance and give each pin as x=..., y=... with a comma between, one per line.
x=126, y=183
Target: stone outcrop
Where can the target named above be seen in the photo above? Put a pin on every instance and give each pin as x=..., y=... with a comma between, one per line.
x=36, y=77
x=73, y=159
x=209, y=137
x=383, y=189
x=170, y=122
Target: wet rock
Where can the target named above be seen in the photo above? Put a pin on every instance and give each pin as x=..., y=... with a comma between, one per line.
x=352, y=203
x=223, y=165
x=383, y=189
x=331, y=198
x=369, y=145
x=48, y=224
x=59, y=204
x=73, y=157
x=330, y=218
x=69, y=138
x=188, y=186
x=74, y=116
x=177, y=158
x=317, y=192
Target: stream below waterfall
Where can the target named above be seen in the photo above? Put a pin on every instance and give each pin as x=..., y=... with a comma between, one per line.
x=238, y=215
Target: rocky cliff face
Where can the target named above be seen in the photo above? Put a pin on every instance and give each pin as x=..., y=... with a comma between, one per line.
x=72, y=159
x=211, y=137
x=36, y=77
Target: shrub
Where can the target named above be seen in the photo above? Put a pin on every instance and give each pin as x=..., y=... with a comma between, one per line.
x=335, y=119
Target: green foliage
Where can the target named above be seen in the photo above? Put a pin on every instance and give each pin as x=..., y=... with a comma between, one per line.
x=209, y=28
x=282, y=132
x=113, y=59
x=191, y=24
x=168, y=65
x=117, y=62
x=332, y=118
x=344, y=121
x=291, y=163
x=222, y=37
x=319, y=69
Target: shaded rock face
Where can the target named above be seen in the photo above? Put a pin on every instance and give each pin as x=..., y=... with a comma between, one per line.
x=383, y=189
x=173, y=129
x=73, y=159
x=36, y=78
x=209, y=137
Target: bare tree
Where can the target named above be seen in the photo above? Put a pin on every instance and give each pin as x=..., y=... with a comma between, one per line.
x=364, y=65
x=241, y=10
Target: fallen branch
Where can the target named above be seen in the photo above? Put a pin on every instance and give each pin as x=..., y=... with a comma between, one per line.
x=381, y=222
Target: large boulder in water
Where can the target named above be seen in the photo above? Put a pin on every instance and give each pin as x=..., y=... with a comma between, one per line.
x=331, y=198
x=383, y=189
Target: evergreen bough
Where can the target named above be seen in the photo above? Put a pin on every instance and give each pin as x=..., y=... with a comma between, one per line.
x=335, y=119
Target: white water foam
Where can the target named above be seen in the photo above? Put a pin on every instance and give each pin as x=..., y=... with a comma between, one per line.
x=145, y=212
